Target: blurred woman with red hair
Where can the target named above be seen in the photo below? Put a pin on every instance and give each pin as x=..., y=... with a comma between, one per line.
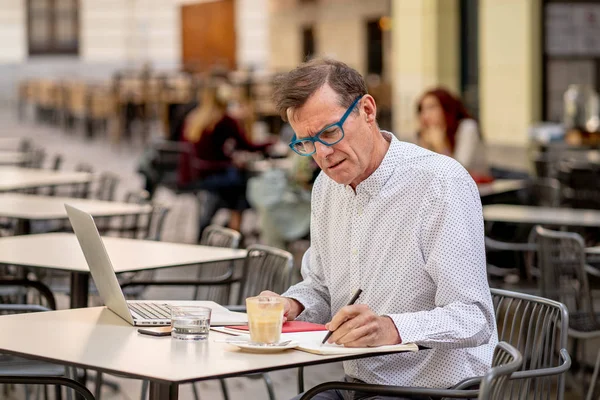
x=446, y=127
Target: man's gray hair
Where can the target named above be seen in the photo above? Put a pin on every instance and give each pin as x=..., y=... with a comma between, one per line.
x=294, y=88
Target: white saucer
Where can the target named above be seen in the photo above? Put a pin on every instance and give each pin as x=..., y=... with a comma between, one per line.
x=258, y=348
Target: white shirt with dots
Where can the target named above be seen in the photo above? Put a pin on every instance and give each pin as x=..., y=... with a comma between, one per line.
x=411, y=238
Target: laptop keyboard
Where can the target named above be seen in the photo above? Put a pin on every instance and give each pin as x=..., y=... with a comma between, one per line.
x=151, y=310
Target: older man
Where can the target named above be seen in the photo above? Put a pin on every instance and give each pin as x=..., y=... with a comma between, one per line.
x=400, y=222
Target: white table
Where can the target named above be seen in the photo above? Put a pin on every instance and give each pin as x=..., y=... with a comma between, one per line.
x=61, y=251
x=12, y=157
x=35, y=207
x=13, y=178
x=500, y=186
x=541, y=215
x=11, y=143
x=97, y=339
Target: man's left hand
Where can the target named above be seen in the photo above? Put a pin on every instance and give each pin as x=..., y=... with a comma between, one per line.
x=359, y=326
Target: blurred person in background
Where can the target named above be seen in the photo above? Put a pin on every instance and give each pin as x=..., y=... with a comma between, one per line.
x=216, y=164
x=446, y=127
x=282, y=198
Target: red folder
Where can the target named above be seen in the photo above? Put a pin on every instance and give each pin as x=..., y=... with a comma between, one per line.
x=289, y=327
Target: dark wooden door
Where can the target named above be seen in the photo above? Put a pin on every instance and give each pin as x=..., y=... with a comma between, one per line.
x=208, y=35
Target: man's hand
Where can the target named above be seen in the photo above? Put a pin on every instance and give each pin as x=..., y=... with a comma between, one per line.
x=359, y=326
x=291, y=308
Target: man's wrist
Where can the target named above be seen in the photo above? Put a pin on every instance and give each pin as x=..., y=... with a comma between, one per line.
x=392, y=336
x=296, y=307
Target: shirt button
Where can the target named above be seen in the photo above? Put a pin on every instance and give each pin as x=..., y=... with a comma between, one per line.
x=354, y=252
x=360, y=211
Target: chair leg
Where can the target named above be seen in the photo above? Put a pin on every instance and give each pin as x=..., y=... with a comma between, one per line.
x=300, y=380
x=224, y=389
x=269, y=384
x=590, y=392
x=195, y=391
x=98, y=385
x=144, y=394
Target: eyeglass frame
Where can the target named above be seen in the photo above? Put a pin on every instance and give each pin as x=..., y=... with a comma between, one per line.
x=316, y=137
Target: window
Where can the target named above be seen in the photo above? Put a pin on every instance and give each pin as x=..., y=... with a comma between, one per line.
x=374, y=48
x=53, y=26
x=570, y=51
x=308, y=42
x=469, y=55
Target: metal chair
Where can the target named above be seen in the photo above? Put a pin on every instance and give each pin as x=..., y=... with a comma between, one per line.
x=536, y=326
x=49, y=380
x=217, y=236
x=82, y=190
x=17, y=370
x=265, y=268
x=107, y=185
x=564, y=277
x=506, y=360
x=493, y=386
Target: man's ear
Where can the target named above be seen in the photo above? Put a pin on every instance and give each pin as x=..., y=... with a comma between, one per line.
x=369, y=107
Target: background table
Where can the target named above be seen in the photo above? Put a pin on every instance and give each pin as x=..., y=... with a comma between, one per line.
x=13, y=178
x=541, y=215
x=500, y=186
x=27, y=208
x=61, y=251
x=12, y=157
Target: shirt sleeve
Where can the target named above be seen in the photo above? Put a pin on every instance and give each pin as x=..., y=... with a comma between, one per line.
x=311, y=291
x=467, y=140
x=452, y=242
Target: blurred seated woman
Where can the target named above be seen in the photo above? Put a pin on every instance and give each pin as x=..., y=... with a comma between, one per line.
x=216, y=138
x=446, y=127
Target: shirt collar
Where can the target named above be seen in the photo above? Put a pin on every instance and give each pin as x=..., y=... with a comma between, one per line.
x=375, y=182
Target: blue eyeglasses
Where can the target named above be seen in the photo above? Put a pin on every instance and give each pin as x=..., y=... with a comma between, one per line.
x=329, y=135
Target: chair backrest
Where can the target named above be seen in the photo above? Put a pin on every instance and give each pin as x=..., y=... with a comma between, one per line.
x=217, y=236
x=538, y=328
x=145, y=226
x=156, y=221
x=265, y=268
x=107, y=185
x=82, y=190
x=561, y=261
x=506, y=360
x=544, y=192
x=35, y=158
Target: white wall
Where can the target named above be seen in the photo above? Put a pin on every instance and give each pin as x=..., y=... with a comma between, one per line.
x=425, y=54
x=130, y=32
x=13, y=35
x=510, y=65
x=252, y=33
x=340, y=30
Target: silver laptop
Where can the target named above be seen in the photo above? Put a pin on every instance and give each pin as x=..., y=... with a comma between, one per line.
x=138, y=313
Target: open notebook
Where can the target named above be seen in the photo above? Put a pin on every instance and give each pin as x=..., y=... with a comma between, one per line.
x=311, y=343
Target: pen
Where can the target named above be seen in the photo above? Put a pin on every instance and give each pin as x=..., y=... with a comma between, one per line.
x=352, y=301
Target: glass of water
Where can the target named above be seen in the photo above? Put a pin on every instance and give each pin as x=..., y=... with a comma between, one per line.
x=190, y=322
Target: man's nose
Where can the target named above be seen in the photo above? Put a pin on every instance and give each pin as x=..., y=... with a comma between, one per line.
x=323, y=150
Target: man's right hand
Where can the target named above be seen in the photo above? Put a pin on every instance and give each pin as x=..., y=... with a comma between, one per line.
x=291, y=308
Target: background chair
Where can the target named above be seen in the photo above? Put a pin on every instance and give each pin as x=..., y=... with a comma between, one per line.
x=536, y=326
x=564, y=277
x=29, y=296
x=217, y=236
